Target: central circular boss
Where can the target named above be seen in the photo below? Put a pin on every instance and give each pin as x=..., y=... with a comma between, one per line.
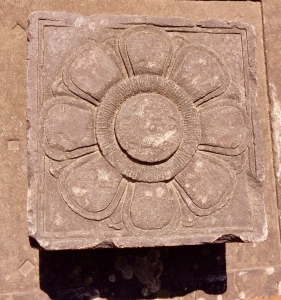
x=147, y=128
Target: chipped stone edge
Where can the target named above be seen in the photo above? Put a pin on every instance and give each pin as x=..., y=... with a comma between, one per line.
x=275, y=116
x=34, y=183
x=31, y=123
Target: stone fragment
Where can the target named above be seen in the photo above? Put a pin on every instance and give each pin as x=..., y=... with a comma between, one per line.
x=143, y=132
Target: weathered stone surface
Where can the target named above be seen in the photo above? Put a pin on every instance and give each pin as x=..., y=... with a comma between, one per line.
x=272, y=28
x=142, y=127
x=159, y=127
x=248, y=284
x=62, y=273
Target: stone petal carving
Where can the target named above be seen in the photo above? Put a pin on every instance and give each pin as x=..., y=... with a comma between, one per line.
x=200, y=72
x=223, y=130
x=67, y=127
x=151, y=208
x=90, y=71
x=91, y=187
x=208, y=183
x=162, y=142
x=145, y=50
x=237, y=162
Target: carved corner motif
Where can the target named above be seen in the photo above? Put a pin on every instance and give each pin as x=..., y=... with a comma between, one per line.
x=143, y=130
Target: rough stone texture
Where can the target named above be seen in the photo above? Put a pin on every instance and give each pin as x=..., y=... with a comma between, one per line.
x=274, y=86
x=142, y=127
x=158, y=134
x=73, y=274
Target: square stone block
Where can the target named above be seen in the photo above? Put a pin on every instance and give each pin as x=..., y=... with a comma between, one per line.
x=142, y=131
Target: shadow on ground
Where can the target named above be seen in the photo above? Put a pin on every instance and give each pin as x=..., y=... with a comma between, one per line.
x=142, y=273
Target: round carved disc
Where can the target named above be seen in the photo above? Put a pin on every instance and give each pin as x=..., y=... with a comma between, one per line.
x=125, y=139
x=148, y=126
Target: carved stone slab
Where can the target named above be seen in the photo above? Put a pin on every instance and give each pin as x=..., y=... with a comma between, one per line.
x=142, y=131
